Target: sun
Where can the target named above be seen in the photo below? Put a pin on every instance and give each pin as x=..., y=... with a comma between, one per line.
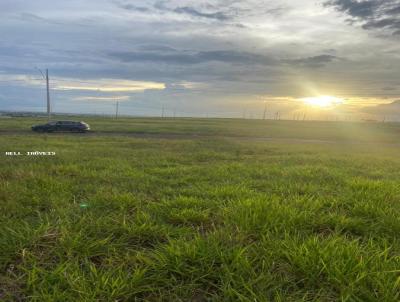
x=324, y=101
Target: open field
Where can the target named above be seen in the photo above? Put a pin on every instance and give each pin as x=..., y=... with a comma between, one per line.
x=201, y=210
x=310, y=130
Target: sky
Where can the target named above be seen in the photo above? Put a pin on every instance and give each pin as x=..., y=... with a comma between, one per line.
x=319, y=59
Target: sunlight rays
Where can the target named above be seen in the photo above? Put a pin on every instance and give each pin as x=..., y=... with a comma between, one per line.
x=324, y=101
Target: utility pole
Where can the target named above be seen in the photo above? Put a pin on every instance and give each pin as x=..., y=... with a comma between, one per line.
x=46, y=78
x=116, y=110
x=48, y=95
x=265, y=110
x=162, y=111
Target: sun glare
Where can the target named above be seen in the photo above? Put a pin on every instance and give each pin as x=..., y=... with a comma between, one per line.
x=324, y=101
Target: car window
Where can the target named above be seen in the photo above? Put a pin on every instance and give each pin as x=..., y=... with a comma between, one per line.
x=52, y=123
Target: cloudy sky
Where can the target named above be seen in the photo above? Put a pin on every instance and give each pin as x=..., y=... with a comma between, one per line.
x=203, y=58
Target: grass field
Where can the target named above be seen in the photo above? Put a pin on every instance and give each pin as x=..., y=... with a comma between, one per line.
x=201, y=210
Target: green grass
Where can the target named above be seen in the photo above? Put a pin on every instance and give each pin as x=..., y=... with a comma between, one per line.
x=221, y=216
x=313, y=130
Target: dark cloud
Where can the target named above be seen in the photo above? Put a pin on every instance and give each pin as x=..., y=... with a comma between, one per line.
x=373, y=14
x=194, y=12
x=185, y=10
x=131, y=7
x=156, y=47
x=394, y=11
x=278, y=11
x=168, y=55
x=313, y=62
x=184, y=57
x=35, y=18
x=355, y=8
x=384, y=23
x=29, y=17
x=161, y=5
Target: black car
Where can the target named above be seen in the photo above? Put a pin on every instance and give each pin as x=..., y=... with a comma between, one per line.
x=70, y=126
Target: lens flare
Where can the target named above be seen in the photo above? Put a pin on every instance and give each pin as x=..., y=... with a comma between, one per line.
x=324, y=101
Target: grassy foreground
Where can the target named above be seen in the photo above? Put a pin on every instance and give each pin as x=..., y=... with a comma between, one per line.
x=221, y=216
